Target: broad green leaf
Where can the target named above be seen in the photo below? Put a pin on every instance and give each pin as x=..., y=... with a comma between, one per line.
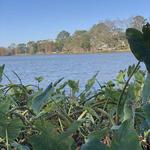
x=126, y=138
x=139, y=76
x=49, y=139
x=121, y=77
x=129, y=110
x=5, y=105
x=146, y=33
x=19, y=146
x=40, y=100
x=130, y=69
x=98, y=134
x=90, y=82
x=147, y=61
x=94, y=141
x=136, y=42
x=140, y=44
x=146, y=109
x=94, y=144
x=39, y=79
x=73, y=85
x=146, y=90
x=72, y=129
x=13, y=127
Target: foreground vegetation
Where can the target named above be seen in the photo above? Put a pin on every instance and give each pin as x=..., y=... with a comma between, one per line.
x=115, y=116
x=56, y=119
x=108, y=35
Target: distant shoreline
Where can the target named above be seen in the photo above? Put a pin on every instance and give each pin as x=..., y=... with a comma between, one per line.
x=96, y=52
x=61, y=53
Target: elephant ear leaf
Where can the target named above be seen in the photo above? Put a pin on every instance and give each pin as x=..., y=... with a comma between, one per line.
x=147, y=63
x=146, y=32
x=136, y=42
x=146, y=36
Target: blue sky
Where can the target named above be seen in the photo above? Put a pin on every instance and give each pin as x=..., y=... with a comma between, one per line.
x=24, y=20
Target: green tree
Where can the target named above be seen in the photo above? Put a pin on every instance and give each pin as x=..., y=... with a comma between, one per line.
x=83, y=39
x=45, y=46
x=79, y=42
x=101, y=36
x=22, y=48
x=62, y=37
x=32, y=47
x=12, y=49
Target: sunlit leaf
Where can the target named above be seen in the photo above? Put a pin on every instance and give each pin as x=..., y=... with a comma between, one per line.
x=91, y=82
x=42, y=99
x=74, y=85
x=129, y=108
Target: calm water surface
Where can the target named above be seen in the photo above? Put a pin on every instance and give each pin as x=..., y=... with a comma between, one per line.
x=53, y=67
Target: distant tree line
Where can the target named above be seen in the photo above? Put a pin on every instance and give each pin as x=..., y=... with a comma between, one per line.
x=107, y=35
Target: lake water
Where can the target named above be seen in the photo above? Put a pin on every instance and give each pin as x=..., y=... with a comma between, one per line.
x=77, y=67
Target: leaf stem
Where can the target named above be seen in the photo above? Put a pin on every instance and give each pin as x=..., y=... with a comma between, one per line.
x=7, y=143
x=123, y=91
